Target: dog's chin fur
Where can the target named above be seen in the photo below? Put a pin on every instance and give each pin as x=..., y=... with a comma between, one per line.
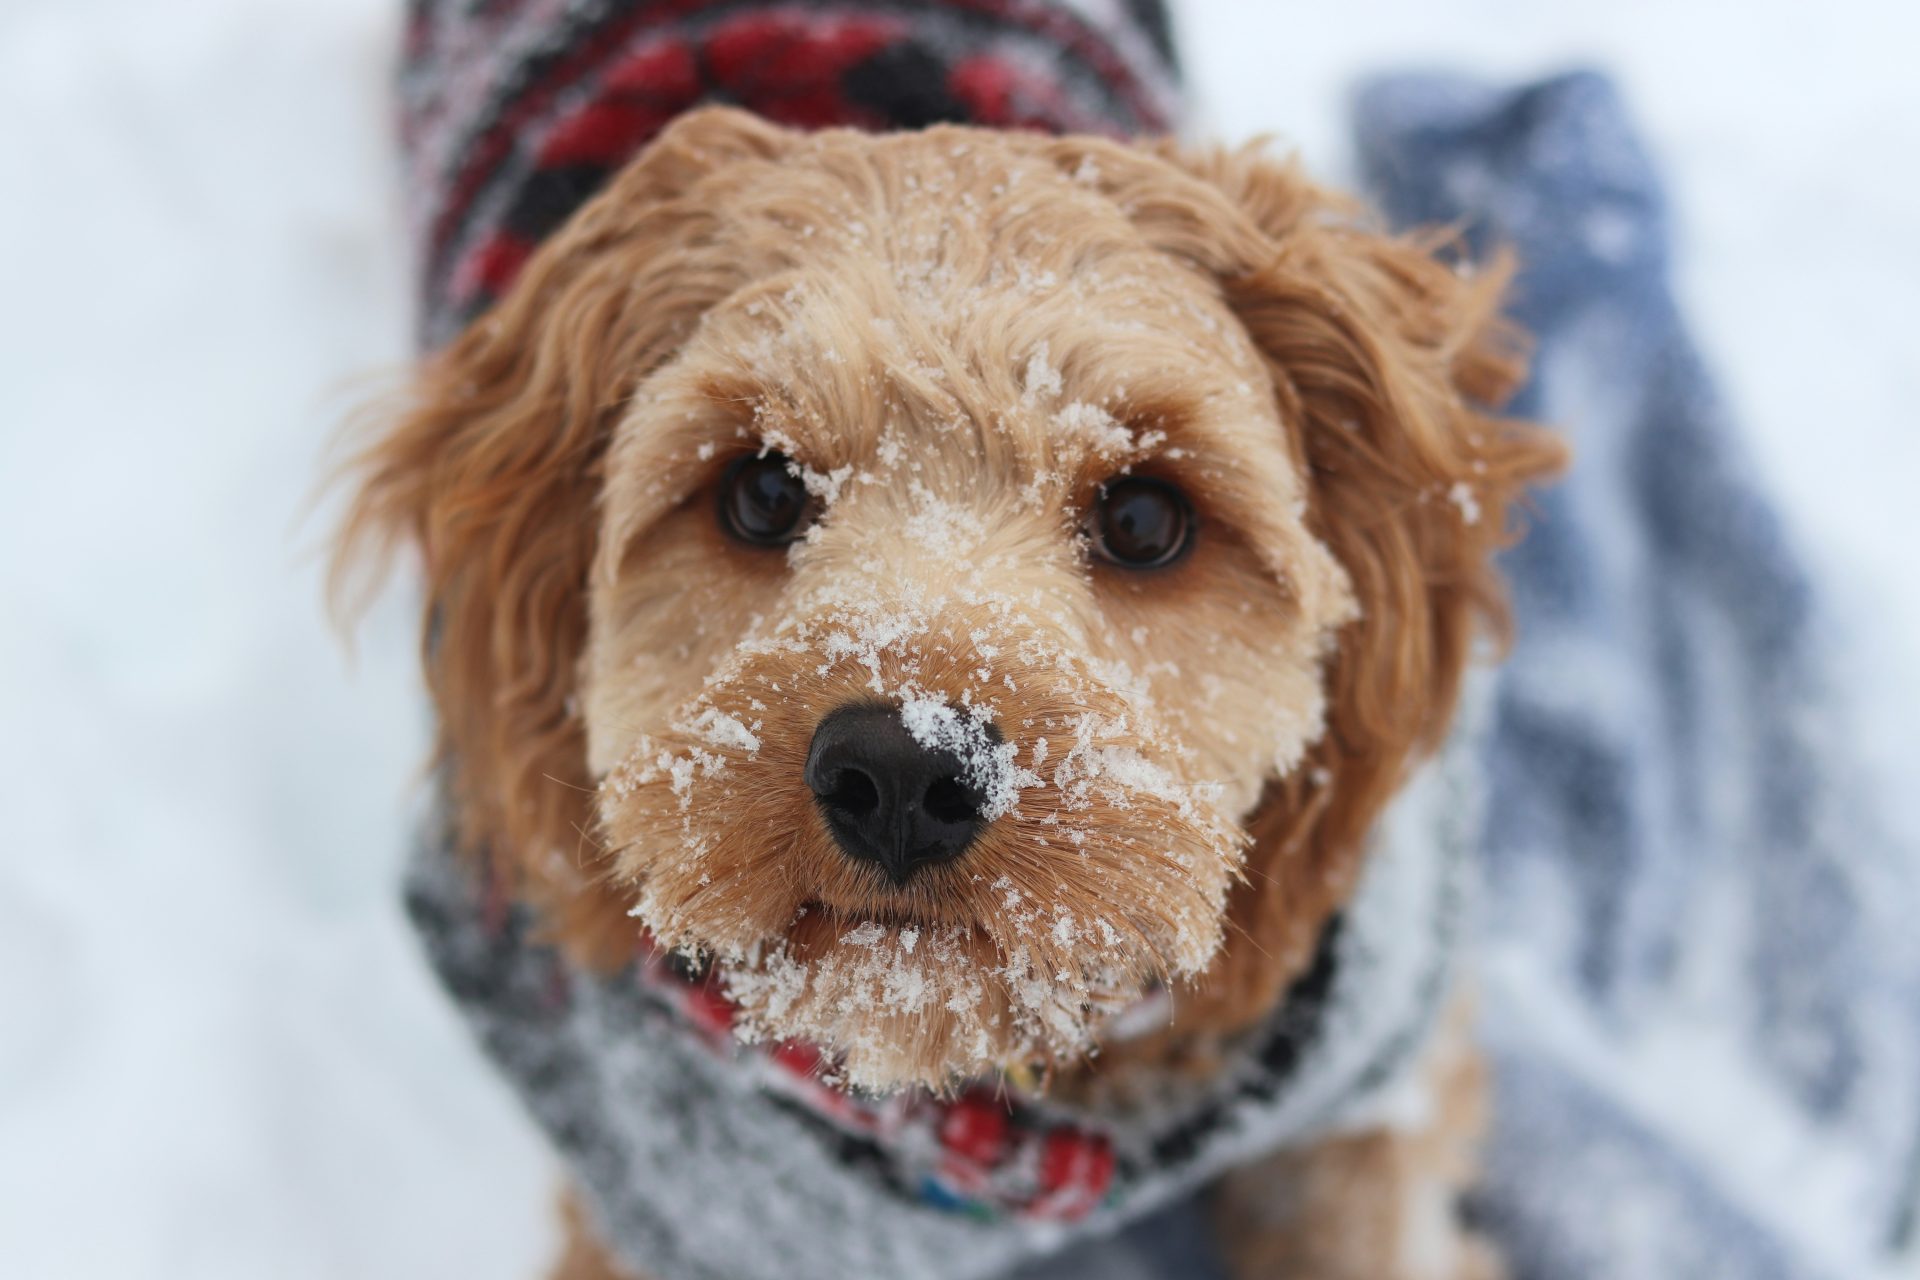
x=1102, y=870
x=959, y=337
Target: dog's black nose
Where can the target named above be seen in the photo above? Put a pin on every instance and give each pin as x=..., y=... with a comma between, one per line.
x=887, y=798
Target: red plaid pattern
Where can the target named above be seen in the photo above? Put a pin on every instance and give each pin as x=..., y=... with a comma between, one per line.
x=517, y=111
x=983, y=1152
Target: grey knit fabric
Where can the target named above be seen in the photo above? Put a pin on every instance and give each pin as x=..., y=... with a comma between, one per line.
x=696, y=1171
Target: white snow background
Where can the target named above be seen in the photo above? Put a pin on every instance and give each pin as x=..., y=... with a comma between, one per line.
x=219, y=1053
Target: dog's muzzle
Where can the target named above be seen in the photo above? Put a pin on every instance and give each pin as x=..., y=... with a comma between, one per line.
x=888, y=799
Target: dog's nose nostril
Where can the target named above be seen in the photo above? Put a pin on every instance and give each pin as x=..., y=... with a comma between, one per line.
x=852, y=792
x=948, y=800
x=887, y=798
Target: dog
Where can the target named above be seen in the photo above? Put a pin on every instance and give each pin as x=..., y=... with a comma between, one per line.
x=950, y=609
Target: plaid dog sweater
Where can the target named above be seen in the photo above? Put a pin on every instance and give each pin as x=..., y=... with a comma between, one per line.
x=700, y=1158
x=514, y=112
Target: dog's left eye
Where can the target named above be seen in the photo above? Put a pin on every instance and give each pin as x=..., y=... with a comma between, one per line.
x=763, y=502
x=1140, y=523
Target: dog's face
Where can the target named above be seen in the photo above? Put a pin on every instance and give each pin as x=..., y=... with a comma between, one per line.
x=974, y=455
x=949, y=553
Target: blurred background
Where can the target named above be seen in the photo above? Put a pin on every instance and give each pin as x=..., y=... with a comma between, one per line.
x=219, y=1053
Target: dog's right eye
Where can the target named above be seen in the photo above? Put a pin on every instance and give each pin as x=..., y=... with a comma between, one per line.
x=1140, y=523
x=763, y=502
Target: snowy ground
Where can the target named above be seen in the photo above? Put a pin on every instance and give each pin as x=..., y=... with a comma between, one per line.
x=219, y=1056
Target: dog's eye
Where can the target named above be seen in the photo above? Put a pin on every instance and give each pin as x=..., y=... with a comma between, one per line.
x=1140, y=523
x=763, y=502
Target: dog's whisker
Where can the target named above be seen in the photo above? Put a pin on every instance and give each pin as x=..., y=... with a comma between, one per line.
x=601, y=853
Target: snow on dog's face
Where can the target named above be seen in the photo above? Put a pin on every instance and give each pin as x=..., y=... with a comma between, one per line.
x=936, y=556
x=1028, y=494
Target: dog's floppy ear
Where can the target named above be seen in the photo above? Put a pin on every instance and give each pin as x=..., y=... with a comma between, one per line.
x=1387, y=364
x=492, y=467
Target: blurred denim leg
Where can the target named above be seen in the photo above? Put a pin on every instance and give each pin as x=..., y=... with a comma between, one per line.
x=1175, y=1243
x=1701, y=989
